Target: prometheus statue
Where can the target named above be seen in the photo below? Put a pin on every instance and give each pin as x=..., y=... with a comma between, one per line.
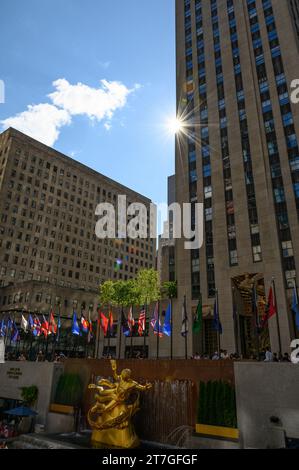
x=110, y=418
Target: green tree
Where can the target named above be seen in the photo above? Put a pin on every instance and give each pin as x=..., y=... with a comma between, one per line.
x=107, y=293
x=170, y=289
x=148, y=286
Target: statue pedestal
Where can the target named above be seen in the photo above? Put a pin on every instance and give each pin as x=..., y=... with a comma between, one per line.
x=115, y=438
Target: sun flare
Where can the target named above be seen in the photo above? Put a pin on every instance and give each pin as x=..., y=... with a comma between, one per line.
x=175, y=125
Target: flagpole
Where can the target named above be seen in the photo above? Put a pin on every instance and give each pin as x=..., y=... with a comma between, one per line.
x=131, y=349
x=277, y=317
x=144, y=332
x=218, y=329
x=158, y=332
x=171, y=331
x=120, y=316
x=293, y=313
x=186, y=332
x=257, y=322
x=236, y=322
x=109, y=332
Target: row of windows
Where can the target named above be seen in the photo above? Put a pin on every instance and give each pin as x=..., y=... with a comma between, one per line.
x=273, y=152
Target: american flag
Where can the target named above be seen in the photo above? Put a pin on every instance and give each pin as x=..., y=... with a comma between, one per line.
x=141, y=323
x=131, y=321
x=155, y=316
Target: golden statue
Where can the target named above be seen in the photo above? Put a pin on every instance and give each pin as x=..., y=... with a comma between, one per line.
x=110, y=417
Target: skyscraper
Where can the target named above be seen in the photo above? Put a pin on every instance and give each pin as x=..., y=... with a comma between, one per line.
x=49, y=252
x=238, y=154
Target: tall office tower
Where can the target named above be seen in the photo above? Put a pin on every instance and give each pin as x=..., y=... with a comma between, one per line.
x=238, y=154
x=49, y=252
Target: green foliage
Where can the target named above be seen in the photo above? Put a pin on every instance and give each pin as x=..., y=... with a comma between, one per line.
x=29, y=394
x=107, y=293
x=217, y=404
x=148, y=286
x=141, y=291
x=126, y=293
x=69, y=390
x=170, y=289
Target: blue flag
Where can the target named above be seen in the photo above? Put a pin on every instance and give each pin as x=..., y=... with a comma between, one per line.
x=2, y=329
x=124, y=325
x=216, y=320
x=15, y=333
x=75, y=326
x=167, y=322
x=31, y=323
x=295, y=307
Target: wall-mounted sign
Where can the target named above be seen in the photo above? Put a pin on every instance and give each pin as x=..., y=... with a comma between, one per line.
x=14, y=373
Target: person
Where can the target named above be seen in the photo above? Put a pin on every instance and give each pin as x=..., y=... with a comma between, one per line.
x=215, y=356
x=268, y=355
x=3, y=445
x=197, y=356
x=40, y=357
x=286, y=357
x=22, y=358
x=275, y=357
x=224, y=354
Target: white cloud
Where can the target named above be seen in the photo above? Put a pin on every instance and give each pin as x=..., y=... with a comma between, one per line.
x=44, y=121
x=41, y=121
x=96, y=103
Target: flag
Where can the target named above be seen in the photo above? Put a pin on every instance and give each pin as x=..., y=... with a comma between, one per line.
x=52, y=324
x=185, y=322
x=37, y=327
x=31, y=323
x=45, y=327
x=90, y=334
x=103, y=321
x=295, y=307
x=75, y=325
x=111, y=323
x=167, y=330
x=270, y=308
x=141, y=323
x=2, y=328
x=216, y=320
x=155, y=316
x=24, y=324
x=15, y=336
x=197, y=323
x=131, y=321
x=84, y=324
x=58, y=328
x=124, y=325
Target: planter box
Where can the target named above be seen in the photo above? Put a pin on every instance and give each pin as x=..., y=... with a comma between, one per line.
x=217, y=431
x=63, y=409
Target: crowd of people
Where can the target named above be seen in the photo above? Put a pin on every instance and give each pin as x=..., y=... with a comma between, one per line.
x=265, y=355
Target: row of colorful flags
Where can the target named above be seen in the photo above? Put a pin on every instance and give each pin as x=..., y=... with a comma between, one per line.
x=81, y=326
x=9, y=328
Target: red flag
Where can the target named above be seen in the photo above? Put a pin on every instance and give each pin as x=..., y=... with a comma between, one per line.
x=52, y=324
x=141, y=323
x=103, y=321
x=270, y=309
x=45, y=327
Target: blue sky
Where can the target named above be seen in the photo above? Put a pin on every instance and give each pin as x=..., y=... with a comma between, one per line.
x=115, y=128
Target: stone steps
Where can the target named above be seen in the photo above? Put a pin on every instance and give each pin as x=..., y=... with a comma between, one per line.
x=34, y=441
